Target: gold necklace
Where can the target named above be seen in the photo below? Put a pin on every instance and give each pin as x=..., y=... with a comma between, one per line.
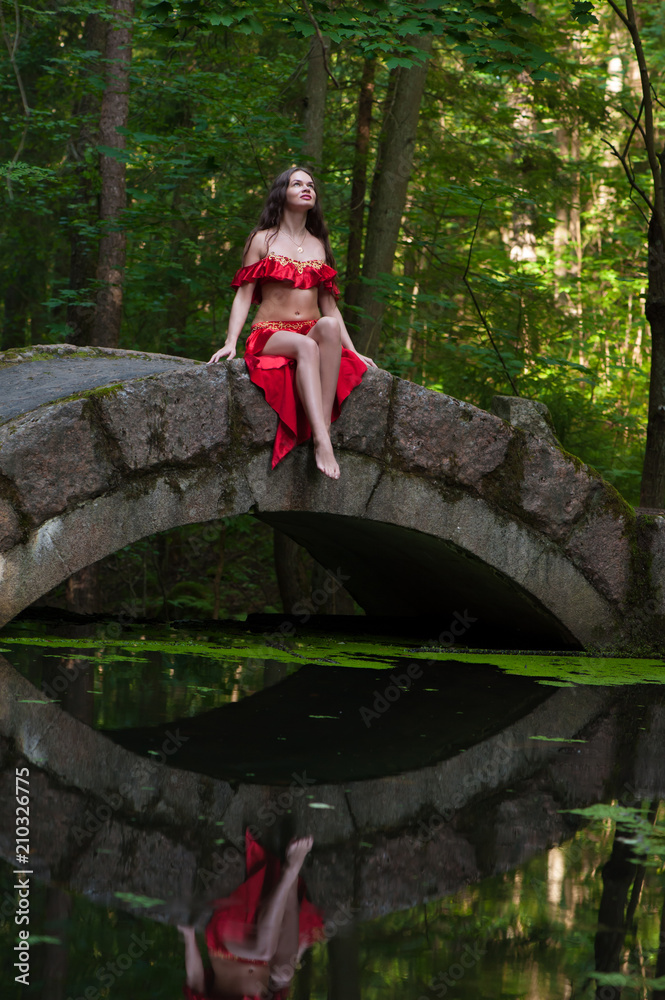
x=295, y=242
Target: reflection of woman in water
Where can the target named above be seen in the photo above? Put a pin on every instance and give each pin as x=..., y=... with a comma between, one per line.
x=256, y=935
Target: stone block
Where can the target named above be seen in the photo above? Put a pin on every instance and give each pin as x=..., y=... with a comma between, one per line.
x=391, y=802
x=528, y=414
x=412, y=503
x=296, y=483
x=601, y=550
x=362, y=425
x=54, y=457
x=168, y=419
x=556, y=491
x=657, y=552
x=400, y=870
x=254, y=420
x=445, y=437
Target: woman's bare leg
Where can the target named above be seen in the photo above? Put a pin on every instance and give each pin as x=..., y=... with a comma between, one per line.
x=307, y=355
x=285, y=959
x=326, y=332
x=271, y=915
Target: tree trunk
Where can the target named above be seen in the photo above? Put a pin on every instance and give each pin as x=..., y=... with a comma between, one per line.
x=344, y=965
x=83, y=248
x=389, y=188
x=328, y=596
x=315, y=99
x=305, y=587
x=618, y=875
x=359, y=186
x=82, y=591
x=114, y=115
x=653, y=472
x=292, y=574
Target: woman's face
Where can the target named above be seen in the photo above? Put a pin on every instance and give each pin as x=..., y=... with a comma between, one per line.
x=300, y=194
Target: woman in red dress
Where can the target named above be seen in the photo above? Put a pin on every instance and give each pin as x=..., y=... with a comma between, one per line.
x=299, y=351
x=257, y=935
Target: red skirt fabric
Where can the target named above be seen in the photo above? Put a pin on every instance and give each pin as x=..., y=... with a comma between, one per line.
x=276, y=376
x=235, y=916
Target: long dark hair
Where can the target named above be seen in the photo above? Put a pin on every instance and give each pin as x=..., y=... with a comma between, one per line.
x=273, y=209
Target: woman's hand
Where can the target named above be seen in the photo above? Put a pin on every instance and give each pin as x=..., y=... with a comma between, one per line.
x=368, y=361
x=228, y=351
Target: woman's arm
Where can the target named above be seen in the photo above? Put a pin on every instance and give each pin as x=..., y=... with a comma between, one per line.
x=193, y=961
x=328, y=307
x=239, y=310
x=242, y=301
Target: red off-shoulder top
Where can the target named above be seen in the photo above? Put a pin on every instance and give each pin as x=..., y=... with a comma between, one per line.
x=300, y=273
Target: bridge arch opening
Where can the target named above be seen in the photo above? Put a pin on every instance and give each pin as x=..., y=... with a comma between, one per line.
x=394, y=574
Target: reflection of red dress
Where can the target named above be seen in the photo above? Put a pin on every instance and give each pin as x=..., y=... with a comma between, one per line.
x=235, y=915
x=275, y=374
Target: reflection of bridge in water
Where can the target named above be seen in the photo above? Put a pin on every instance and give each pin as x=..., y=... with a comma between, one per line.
x=441, y=506
x=117, y=822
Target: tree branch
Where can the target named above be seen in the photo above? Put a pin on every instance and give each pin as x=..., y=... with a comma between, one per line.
x=630, y=20
x=639, y=208
x=619, y=13
x=322, y=43
x=655, y=96
x=465, y=279
x=630, y=175
x=636, y=125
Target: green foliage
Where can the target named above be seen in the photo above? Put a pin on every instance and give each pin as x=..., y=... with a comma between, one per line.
x=635, y=827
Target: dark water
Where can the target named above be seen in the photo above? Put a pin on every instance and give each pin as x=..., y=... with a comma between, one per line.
x=485, y=825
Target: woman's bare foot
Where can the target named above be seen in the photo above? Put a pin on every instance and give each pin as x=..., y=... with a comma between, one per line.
x=297, y=851
x=324, y=457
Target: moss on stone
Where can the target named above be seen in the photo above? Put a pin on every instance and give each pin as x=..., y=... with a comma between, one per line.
x=102, y=390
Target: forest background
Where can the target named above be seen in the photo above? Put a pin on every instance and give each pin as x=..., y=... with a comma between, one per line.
x=486, y=234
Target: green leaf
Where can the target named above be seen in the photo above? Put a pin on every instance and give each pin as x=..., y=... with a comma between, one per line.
x=145, y=902
x=582, y=12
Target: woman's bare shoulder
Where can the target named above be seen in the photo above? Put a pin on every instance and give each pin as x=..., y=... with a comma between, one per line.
x=258, y=247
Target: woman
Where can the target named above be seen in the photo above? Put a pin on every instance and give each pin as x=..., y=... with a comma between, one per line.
x=257, y=935
x=299, y=351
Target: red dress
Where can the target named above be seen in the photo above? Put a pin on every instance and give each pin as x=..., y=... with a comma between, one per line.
x=234, y=915
x=275, y=374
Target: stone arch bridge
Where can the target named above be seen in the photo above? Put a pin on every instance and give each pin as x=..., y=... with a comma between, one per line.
x=442, y=508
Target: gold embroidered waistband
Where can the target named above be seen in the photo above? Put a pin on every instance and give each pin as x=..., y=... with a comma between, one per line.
x=283, y=324
x=235, y=958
